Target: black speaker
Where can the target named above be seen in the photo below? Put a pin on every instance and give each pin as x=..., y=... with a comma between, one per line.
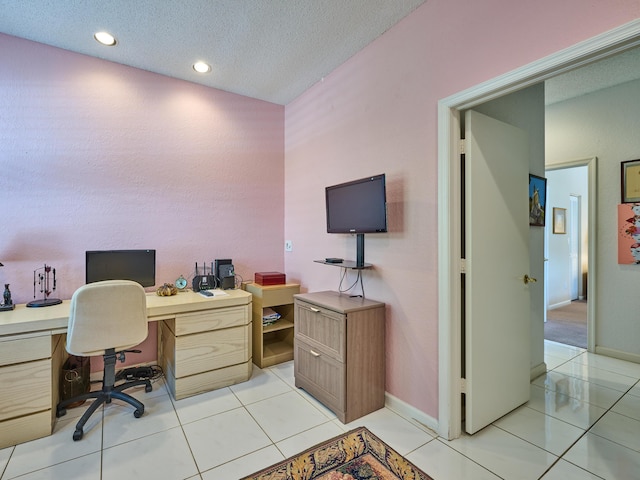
x=225, y=273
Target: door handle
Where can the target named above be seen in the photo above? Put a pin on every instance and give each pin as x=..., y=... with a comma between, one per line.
x=315, y=354
x=314, y=309
x=527, y=279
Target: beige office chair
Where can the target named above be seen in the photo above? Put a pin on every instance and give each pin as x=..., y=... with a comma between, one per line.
x=106, y=318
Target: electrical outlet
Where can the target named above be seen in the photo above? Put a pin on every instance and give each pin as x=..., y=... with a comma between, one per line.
x=288, y=246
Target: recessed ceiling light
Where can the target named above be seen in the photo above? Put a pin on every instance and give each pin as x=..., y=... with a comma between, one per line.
x=105, y=39
x=202, y=67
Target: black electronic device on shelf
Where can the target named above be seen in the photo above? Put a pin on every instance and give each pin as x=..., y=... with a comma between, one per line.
x=333, y=260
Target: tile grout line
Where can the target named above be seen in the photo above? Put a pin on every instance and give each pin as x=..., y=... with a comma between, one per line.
x=609, y=409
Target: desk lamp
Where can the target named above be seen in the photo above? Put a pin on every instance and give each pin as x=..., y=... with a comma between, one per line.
x=6, y=304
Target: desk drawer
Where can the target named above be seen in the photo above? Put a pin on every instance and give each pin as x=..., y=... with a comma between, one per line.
x=201, y=352
x=210, y=320
x=26, y=388
x=24, y=349
x=323, y=329
x=23, y=429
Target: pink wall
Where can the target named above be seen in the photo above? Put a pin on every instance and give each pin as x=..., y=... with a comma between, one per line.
x=378, y=113
x=96, y=155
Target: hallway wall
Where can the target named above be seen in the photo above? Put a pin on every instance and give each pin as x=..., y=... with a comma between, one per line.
x=561, y=184
x=605, y=124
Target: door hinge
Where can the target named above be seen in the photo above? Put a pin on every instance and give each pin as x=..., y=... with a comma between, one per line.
x=463, y=265
x=462, y=146
x=463, y=385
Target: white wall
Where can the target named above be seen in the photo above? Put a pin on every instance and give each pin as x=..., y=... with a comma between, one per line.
x=561, y=184
x=605, y=124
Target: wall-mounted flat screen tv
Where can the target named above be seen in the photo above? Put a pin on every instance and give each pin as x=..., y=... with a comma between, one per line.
x=359, y=206
x=136, y=265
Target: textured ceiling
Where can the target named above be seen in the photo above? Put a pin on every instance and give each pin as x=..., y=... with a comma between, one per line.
x=606, y=73
x=272, y=50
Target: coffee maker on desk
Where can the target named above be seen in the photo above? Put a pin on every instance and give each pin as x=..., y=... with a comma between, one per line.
x=7, y=303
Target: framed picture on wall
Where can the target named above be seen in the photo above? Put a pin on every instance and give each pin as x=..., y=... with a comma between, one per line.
x=537, y=200
x=559, y=220
x=630, y=181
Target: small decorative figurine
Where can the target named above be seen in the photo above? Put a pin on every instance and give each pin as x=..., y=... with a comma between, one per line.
x=7, y=295
x=7, y=303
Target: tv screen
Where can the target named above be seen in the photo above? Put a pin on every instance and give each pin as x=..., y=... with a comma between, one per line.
x=359, y=206
x=136, y=265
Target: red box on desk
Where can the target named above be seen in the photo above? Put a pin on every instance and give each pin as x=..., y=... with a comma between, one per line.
x=270, y=278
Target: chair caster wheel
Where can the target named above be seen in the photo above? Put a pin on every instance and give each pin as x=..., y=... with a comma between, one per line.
x=138, y=413
x=61, y=412
x=148, y=388
x=77, y=435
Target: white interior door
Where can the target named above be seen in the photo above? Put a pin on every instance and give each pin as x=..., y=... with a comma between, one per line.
x=497, y=325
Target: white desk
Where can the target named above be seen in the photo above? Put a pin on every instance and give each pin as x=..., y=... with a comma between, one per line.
x=204, y=343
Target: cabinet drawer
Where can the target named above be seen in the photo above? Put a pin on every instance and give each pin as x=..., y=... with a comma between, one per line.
x=322, y=328
x=23, y=429
x=210, y=350
x=277, y=294
x=25, y=349
x=26, y=388
x=210, y=320
x=321, y=375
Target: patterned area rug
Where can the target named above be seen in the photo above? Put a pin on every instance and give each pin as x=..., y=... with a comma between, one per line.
x=355, y=455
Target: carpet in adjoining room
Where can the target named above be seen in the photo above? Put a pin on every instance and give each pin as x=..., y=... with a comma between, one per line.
x=568, y=324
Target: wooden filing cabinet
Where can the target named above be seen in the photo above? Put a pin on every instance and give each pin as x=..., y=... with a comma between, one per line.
x=339, y=352
x=29, y=366
x=204, y=350
x=272, y=344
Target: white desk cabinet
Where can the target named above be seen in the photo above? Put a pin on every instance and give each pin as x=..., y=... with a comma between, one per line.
x=205, y=350
x=339, y=352
x=204, y=343
x=29, y=366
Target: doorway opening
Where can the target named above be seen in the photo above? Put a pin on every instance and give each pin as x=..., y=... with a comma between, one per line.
x=451, y=385
x=566, y=255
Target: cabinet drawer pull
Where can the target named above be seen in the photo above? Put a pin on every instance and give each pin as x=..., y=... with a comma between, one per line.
x=314, y=309
x=315, y=354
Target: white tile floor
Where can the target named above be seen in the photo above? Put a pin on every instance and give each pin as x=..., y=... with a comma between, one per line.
x=582, y=422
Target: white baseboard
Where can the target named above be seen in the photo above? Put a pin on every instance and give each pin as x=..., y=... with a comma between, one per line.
x=559, y=305
x=415, y=416
x=538, y=370
x=610, y=352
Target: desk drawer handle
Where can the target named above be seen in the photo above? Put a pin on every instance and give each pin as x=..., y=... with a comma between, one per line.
x=315, y=354
x=314, y=309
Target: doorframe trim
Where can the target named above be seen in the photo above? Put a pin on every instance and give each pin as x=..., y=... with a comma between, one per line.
x=449, y=316
x=592, y=188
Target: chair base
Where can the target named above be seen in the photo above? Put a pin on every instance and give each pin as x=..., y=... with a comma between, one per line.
x=109, y=391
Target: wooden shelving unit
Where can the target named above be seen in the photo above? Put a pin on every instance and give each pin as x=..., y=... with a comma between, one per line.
x=272, y=344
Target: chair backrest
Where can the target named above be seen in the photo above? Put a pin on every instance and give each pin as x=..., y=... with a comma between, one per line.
x=103, y=315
